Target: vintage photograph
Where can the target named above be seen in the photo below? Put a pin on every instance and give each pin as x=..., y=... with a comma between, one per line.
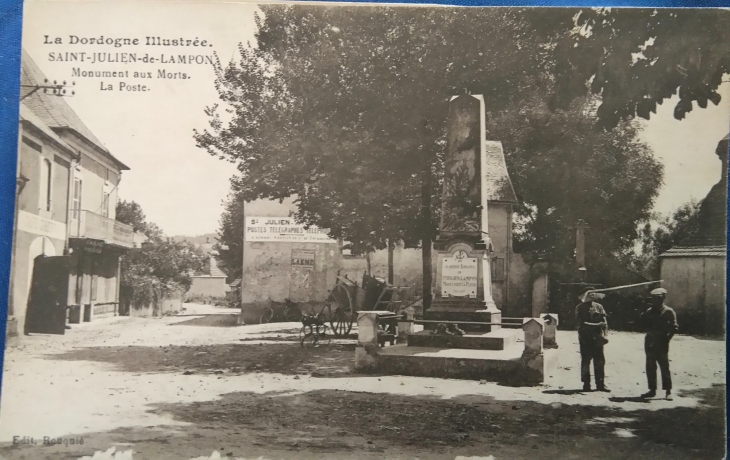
x=356, y=231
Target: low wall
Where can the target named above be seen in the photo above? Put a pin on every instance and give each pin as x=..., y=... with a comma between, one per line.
x=164, y=306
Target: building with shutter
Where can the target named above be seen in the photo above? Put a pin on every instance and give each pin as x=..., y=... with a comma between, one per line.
x=65, y=204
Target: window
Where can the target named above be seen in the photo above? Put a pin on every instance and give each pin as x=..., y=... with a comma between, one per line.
x=76, y=205
x=105, y=205
x=45, y=191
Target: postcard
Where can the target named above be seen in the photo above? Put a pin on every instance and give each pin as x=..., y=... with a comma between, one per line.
x=363, y=231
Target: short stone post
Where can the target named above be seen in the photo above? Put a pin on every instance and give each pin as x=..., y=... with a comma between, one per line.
x=405, y=326
x=534, y=329
x=533, y=359
x=366, y=350
x=551, y=330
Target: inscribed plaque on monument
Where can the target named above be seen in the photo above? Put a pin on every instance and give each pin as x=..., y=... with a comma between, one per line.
x=459, y=277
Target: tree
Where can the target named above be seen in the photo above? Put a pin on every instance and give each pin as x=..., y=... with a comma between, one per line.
x=130, y=213
x=160, y=266
x=637, y=58
x=667, y=231
x=230, y=236
x=345, y=109
x=564, y=170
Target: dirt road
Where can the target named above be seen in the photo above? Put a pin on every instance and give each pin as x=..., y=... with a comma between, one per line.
x=200, y=386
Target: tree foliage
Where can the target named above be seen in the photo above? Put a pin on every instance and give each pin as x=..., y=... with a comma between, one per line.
x=564, y=170
x=230, y=236
x=667, y=231
x=130, y=213
x=345, y=109
x=160, y=266
x=637, y=58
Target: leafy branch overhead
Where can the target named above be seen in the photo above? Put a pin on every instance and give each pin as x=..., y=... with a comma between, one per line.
x=345, y=110
x=635, y=59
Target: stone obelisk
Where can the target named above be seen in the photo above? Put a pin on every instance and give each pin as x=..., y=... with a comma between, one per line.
x=463, y=279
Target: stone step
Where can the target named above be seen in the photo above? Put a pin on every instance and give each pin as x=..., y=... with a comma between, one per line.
x=502, y=366
x=464, y=315
x=501, y=339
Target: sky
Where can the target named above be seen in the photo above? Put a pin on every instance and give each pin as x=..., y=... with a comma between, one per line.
x=180, y=187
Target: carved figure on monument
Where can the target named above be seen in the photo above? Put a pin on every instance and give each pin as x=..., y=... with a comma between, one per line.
x=461, y=203
x=462, y=200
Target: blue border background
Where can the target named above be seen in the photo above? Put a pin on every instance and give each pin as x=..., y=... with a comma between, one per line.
x=11, y=14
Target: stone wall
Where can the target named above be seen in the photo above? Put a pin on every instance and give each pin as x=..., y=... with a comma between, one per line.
x=164, y=306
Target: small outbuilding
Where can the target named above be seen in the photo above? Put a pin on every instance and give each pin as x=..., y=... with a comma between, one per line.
x=694, y=271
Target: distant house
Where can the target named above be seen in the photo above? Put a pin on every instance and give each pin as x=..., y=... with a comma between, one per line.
x=209, y=282
x=694, y=271
x=67, y=243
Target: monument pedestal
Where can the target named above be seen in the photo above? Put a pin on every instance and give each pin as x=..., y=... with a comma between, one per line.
x=457, y=309
x=464, y=287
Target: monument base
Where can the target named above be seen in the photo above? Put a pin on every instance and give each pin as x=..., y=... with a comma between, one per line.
x=508, y=367
x=497, y=340
x=464, y=309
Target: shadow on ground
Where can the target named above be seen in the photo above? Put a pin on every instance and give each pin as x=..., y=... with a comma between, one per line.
x=287, y=358
x=340, y=424
x=224, y=320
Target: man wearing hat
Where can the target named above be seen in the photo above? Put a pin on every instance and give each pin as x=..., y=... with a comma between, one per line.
x=592, y=324
x=660, y=324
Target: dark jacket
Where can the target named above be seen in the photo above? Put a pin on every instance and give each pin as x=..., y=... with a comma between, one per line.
x=660, y=325
x=592, y=322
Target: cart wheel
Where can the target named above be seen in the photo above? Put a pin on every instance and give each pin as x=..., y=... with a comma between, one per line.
x=341, y=311
x=308, y=337
x=266, y=316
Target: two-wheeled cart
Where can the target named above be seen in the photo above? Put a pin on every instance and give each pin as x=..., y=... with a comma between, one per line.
x=347, y=298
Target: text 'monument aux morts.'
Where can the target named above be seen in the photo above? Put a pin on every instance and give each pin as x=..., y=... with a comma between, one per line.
x=158, y=51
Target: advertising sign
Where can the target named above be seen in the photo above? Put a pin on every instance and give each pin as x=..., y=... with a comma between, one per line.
x=284, y=230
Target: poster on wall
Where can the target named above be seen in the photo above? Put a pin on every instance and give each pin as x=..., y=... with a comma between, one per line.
x=302, y=270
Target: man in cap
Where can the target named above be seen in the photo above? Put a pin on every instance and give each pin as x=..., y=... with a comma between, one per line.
x=660, y=324
x=592, y=324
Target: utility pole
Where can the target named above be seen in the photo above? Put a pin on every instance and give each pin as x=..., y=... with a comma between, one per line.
x=426, y=221
x=580, y=247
